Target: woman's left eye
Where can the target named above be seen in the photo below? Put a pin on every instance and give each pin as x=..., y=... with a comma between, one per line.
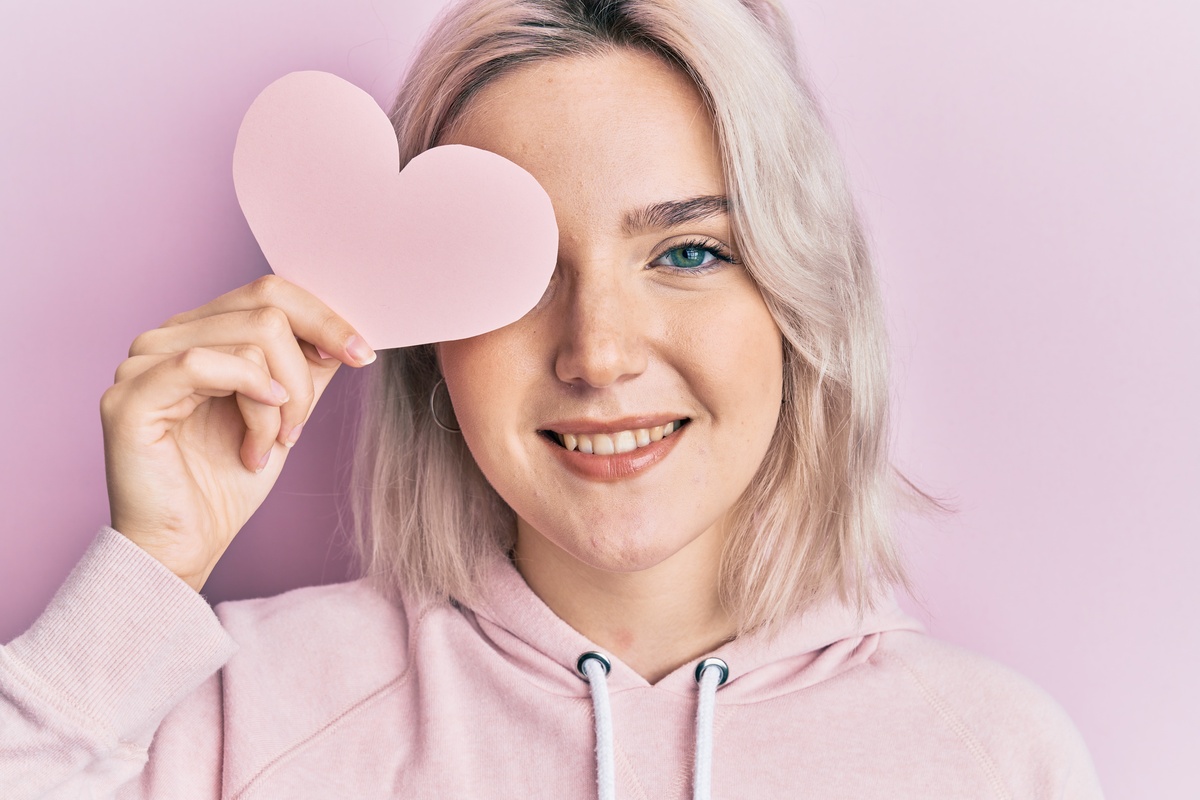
x=691, y=257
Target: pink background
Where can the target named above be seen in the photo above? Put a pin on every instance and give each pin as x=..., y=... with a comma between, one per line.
x=1029, y=171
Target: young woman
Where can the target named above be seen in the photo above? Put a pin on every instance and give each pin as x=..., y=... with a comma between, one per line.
x=634, y=544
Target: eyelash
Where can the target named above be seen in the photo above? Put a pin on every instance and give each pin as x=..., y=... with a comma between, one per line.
x=721, y=254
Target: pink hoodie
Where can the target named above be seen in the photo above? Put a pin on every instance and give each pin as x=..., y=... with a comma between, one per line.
x=130, y=686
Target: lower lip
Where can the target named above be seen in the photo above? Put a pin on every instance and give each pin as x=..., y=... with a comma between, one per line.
x=615, y=467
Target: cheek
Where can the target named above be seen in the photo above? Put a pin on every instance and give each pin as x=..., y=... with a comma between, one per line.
x=472, y=375
x=736, y=353
x=488, y=378
x=483, y=371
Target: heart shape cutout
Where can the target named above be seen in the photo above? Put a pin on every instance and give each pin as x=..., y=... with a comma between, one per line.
x=459, y=243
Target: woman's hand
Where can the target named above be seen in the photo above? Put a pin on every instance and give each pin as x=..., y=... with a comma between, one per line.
x=204, y=403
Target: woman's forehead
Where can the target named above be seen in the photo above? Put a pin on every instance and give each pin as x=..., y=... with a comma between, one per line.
x=603, y=134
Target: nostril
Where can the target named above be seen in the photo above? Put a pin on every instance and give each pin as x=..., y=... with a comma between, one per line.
x=599, y=357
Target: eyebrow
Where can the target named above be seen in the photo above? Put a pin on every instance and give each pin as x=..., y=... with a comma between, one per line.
x=674, y=212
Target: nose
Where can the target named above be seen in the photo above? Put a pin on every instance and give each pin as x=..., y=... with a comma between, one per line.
x=602, y=335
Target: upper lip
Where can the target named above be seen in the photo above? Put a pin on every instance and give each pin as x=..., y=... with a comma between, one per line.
x=591, y=425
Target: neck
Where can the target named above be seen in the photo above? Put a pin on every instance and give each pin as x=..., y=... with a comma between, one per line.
x=654, y=620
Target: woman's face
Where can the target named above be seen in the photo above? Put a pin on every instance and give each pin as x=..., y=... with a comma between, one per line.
x=646, y=324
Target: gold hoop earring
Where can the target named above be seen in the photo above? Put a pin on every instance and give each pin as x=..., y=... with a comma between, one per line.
x=433, y=408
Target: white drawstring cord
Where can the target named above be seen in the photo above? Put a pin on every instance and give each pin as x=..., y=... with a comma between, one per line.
x=710, y=674
x=595, y=666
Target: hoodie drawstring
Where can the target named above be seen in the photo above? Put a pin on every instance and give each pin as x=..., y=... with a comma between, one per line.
x=710, y=674
x=595, y=667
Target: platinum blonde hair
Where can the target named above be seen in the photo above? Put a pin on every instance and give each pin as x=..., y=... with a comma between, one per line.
x=815, y=520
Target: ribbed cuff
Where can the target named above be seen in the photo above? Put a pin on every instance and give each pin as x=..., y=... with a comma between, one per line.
x=122, y=642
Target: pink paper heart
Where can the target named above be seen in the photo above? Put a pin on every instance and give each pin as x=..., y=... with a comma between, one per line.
x=459, y=243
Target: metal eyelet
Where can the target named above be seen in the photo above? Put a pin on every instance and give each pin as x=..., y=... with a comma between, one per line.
x=590, y=655
x=713, y=662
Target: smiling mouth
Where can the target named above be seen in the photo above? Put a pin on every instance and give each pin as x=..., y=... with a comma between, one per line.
x=608, y=444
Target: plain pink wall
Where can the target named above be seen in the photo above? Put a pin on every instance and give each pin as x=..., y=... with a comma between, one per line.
x=1029, y=171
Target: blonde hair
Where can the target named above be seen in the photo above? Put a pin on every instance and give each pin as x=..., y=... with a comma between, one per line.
x=814, y=521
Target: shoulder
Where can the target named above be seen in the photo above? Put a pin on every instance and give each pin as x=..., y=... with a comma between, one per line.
x=312, y=634
x=309, y=662
x=1016, y=731
x=332, y=608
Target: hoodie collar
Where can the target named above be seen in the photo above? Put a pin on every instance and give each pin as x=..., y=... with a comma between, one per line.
x=807, y=649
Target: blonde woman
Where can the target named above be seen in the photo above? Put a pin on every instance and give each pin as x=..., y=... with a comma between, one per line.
x=635, y=544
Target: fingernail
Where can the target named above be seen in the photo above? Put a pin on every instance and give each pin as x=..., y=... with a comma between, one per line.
x=263, y=463
x=278, y=390
x=294, y=435
x=359, y=350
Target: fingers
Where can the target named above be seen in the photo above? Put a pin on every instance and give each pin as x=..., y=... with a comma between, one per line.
x=171, y=386
x=308, y=317
x=268, y=330
x=263, y=421
x=288, y=324
x=169, y=390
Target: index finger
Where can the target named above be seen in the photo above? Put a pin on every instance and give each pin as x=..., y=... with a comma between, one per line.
x=311, y=320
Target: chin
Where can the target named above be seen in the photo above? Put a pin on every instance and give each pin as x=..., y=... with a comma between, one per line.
x=625, y=546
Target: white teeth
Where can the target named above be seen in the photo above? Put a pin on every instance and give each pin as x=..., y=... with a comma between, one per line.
x=607, y=444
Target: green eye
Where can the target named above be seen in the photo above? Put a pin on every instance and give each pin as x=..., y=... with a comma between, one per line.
x=695, y=257
x=689, y=256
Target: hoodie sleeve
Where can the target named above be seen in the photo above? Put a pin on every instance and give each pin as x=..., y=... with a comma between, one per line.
x=1020, y=737
x=123, y=645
